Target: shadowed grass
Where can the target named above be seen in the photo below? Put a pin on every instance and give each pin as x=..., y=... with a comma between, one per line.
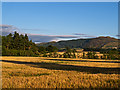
x=55, y=66
x=40, y=72
x=27, y=74
x=107, y=61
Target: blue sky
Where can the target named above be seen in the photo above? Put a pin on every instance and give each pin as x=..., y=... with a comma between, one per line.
x=83, y=19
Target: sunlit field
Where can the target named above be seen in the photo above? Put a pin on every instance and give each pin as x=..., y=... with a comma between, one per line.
x=41, y=72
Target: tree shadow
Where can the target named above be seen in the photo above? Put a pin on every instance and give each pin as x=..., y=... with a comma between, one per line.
x=55, y=66
x=84, y=61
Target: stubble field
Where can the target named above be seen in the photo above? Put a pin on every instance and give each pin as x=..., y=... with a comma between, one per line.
x=41, y=72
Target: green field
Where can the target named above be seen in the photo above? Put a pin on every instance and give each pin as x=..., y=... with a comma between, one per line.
x=41, y=72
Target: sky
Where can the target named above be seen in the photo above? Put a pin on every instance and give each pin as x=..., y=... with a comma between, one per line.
x=55, y=21
x=60, y=0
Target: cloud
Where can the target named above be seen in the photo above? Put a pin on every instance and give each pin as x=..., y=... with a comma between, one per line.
x=118, y=35
x=79, y=34
x=6, y=29
x=40, y=38
x=67, y=36
x=84, y=35
x=47, y=38
x=89, y=36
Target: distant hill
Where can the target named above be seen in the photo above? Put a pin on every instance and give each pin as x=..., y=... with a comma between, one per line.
x=111, y=45
x=98, y=42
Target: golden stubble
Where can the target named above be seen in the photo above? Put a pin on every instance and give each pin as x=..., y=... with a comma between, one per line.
x=41, y=72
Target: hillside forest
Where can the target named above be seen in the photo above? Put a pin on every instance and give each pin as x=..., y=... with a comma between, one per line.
x=19, y=45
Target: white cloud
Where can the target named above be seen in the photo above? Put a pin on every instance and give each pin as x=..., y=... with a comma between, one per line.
x=6, y=29
x=48, y=38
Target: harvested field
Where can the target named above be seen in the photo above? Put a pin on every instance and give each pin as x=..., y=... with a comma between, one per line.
x=41, y=72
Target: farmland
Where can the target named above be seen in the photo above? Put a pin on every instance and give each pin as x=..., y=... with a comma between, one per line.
x=43, y=72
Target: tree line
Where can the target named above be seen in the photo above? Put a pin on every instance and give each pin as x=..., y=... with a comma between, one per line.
x=19, y=45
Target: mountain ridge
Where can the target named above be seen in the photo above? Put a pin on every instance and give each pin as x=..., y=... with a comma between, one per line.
x=98, y=42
